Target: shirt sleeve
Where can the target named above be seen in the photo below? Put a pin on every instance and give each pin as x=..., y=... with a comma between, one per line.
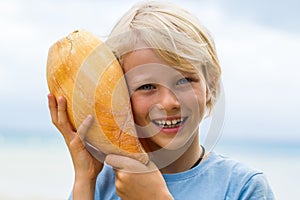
x=257, y=187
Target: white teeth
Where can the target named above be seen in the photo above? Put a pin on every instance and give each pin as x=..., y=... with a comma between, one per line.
x=169, y=123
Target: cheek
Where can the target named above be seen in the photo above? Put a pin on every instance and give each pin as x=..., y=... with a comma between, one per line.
x=194, y=100
x=193, y=97
x=140, y=108
x=201, y=102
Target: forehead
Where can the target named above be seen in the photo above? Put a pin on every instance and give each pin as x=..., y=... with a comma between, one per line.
x=144, y=65
x=141, y=57
x=148, y=56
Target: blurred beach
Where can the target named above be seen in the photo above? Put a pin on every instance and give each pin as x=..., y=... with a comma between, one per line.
x=34, y=167
x=38, y=166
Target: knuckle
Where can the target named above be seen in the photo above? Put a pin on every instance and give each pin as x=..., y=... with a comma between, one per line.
x=120, y=175
x=59, y=123
x=83, y=126
x=72, y=143
x=61, y=109
x=117, y=184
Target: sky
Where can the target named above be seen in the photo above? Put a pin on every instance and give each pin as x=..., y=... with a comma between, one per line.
x=257, y=43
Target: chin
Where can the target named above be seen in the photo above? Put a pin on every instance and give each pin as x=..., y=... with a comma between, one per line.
x=174, y=144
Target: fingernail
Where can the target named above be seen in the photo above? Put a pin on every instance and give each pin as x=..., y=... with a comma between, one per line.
x=60, y=98
x=89, y=117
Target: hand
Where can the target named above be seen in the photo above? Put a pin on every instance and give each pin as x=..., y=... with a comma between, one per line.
x=136, y=181
x=85, y=165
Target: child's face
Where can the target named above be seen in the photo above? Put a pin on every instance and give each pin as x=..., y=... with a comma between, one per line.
x=167, y=104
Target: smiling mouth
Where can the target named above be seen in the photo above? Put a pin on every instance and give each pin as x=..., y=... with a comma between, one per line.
x=172, y=123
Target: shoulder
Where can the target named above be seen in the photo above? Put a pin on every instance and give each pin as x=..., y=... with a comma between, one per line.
x=230, y=167
x=233, y=167
x=243, y=181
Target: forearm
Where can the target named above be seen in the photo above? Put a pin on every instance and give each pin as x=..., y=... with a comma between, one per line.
x=84, y=189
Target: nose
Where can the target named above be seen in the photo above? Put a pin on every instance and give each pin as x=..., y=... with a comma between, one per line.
x=168, y=99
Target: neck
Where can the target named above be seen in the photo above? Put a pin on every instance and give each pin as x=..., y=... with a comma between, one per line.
x=187, y=159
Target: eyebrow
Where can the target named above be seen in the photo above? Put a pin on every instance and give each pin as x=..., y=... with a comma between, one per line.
x=139, y=77
x=139, y=80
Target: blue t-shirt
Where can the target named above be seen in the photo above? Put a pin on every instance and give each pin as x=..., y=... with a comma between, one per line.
x=215, y=178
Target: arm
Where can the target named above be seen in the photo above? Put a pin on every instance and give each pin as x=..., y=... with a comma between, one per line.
x=85, y=165
x=135, y=180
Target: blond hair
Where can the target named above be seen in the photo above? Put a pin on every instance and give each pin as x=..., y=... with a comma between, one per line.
x=174, y=34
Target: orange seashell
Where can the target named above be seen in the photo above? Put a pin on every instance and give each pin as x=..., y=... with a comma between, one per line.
x=84, y=70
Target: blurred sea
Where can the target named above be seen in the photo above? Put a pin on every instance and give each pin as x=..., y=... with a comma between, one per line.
x=37, y=166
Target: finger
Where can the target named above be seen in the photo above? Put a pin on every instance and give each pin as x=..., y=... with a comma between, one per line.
x=63, y=119
x=77, y=141
x=85, y=126
x=127, y=164
x=52, y=104
x=96, y=152
x=63, y=122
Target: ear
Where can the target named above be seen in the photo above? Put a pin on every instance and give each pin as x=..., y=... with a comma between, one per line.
x=208, y=106
x=208, y=95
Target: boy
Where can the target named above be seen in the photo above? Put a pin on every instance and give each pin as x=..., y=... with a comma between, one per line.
x=173, y=76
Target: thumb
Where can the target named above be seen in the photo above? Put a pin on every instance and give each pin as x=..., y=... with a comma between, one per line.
x=127, y=164
x=85, y=126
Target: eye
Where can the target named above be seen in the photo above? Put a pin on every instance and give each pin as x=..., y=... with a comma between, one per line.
x=183, y=81
x=146, y=87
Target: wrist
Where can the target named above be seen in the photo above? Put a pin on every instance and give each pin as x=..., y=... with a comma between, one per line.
x=84, y=188
x=86, y=176
x=83, y=180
